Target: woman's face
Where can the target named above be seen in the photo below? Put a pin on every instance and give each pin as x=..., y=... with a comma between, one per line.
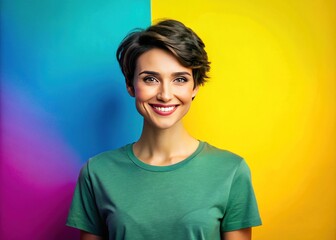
x=163, y=88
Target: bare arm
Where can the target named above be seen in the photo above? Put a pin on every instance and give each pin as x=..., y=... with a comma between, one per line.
x=88, y=236
x=242, y=234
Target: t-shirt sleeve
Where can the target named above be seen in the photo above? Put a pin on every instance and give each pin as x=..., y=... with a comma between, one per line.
x=84, y=213
x=242, y=209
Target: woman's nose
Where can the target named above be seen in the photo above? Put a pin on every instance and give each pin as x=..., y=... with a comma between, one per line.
x=165, y=93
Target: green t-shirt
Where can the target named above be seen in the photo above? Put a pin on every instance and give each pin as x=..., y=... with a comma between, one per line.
x=120, y=197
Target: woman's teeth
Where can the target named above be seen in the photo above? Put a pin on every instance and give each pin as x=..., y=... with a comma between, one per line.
x=164, y=109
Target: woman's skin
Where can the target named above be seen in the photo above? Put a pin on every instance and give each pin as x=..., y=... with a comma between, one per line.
x=241, y=234
x=88, y=236
x=163, y=90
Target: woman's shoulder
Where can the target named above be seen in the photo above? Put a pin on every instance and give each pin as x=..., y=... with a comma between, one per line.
x=211, y=149
x=105, y=158
x=218, y=154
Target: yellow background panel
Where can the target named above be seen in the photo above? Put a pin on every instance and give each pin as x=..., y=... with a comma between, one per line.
x=271, y=98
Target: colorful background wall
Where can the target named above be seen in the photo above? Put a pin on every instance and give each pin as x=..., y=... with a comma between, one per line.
x=271, y=98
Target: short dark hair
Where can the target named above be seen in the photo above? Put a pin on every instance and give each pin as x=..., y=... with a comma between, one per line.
x=172, y=36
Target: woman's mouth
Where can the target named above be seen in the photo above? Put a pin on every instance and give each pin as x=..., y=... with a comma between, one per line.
x=164, y=110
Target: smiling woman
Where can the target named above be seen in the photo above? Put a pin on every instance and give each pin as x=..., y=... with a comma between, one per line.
x=163, y=89
x=167, y=185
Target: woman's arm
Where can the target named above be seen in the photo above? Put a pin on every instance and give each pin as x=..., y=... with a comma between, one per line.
x=88, y=236
x=242, y=234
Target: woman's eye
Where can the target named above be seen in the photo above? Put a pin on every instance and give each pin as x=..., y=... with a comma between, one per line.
x=181, y=80
x=150, y=79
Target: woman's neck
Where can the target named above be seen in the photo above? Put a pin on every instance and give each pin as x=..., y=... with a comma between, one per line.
x=164, y=146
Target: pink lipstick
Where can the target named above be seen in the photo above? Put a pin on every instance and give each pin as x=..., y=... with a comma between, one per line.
x=164, y=110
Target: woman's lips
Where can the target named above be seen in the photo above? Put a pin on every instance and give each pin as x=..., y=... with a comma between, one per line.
x=164, y=110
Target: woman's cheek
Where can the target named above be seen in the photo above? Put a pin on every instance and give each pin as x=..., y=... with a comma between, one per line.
x=143, y=94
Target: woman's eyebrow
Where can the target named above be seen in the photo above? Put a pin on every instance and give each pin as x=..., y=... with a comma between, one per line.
x=180, y=73
x=157, y=74
x=149, y=72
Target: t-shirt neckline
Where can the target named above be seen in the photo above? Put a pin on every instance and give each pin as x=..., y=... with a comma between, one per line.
x=154, y=168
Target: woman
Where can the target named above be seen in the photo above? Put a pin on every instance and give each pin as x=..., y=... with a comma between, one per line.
x=167, y=185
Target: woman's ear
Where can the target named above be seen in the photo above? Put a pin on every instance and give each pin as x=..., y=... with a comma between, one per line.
x=130, y=90
x=195, y=91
